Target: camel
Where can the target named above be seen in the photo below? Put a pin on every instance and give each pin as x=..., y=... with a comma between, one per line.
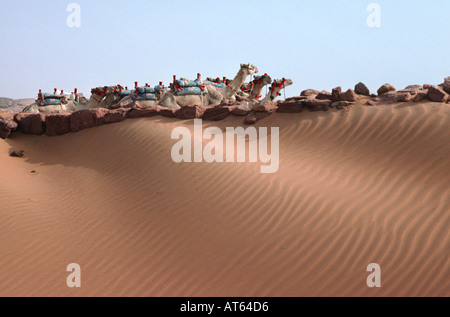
x=160, y=90
x=71, y=104
x=214, y=94
x=229, y=92
x=258, y=84
x=275, y=89
x=211, y=96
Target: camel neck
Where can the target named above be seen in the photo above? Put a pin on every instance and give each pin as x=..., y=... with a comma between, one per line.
x=256, y=91
x=238, y=80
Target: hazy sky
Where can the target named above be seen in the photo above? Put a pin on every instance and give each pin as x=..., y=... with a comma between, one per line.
x=318, y=44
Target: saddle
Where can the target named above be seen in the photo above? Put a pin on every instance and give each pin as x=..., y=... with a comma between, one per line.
x=51, y=99
x=148, y=93
x=187, y=87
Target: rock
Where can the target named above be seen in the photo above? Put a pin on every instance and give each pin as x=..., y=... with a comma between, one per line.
x=19, y=153
x=414, y=87
x=190, y=112
x=316, y=105
x=385, y=88
x=57, y=123
x=113, y=116
x=349, y=95
x=6, y=127
x=421, y=95
x=243, y=109
x=427, y=86
x=270, y=106
x=446, y=85
x=254, y=117
x=404, y=96
x=340, y=104
x=146, y=112
x=324, y=95
x=309, y=92
x=437, y=94
x=216, y=113
x=410, y=91
x=87, y=118
x=335, y=94
x=362, y=89
x=296, y=98
x=31, y=123
x=166, y=112
x=290, y=107
x=390, y=97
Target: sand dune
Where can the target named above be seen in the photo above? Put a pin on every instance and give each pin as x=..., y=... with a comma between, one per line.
x=353, y=188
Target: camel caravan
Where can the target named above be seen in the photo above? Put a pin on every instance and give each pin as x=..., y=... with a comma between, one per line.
x=182, y=92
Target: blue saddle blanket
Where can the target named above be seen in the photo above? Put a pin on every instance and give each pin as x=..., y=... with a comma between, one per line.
x=147, y=96
x=187, y=83
x=217, y=85
x=49, y=102
x=191, y=91
x=145, y=90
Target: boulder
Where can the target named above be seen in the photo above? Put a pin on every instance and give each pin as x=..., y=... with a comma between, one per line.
x=427, y=86
x=6, y=127
x=190, y=112
x=254, y=117
x=146, y=112
x=309, y=92
x=446, y=85
x=87, y=118
x=324, y=95
x=414, y=87
x=336, y=94
x=290, y=107
x=113, y=116
x=166, y=112
x=243, y=109
x=362, y=89
x=421, y=95
x=216, y=113
x=296, y=98
x=389, y=98
x=57, y=123
x=316, y=105
x=385, y=88
x=437, y=94
x=270, y=106
x=31, y=123
x=412, y=92
x=349, y=95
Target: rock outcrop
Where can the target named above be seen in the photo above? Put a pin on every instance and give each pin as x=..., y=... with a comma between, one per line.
x=437, y=94
x=362, y=89
x=57, y=123
x=31, y=123
x=6, y=127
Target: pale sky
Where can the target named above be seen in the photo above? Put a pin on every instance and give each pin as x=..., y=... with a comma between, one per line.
x=318, y=44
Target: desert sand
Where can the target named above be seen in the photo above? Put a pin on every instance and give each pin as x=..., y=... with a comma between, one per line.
x=368, y=185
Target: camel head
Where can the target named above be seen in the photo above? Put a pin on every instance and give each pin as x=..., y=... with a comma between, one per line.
x=249, y=69
x=262, y=80
x=282, y=83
